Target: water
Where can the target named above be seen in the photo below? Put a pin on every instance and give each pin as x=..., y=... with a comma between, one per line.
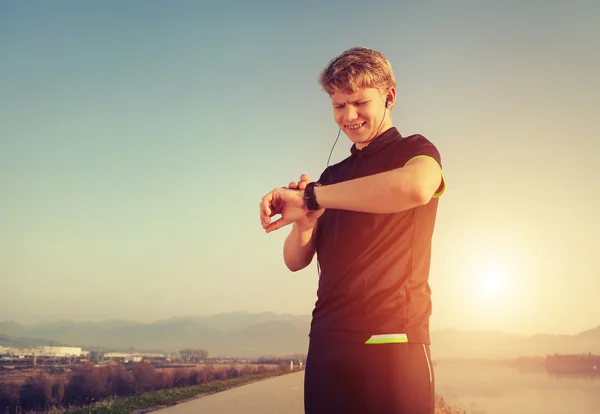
x=481, y=388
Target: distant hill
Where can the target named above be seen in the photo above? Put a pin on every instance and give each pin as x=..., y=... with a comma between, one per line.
x=11, y=328
x=261, y=334
x=590, y=335
x=474, y=344
x=8, y=341
x=236, y=333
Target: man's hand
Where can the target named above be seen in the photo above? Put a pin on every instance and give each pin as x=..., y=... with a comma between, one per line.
x=309, y=221
x=287, y=202
x=300, y=185
x=294, y=212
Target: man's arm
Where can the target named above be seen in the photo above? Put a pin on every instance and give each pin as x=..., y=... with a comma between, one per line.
x=299, y=247
x=389, y=192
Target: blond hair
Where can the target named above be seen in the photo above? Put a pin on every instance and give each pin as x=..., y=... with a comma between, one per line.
x=358, y=67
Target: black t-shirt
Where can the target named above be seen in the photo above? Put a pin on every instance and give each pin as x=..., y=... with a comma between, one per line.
x=374, y=268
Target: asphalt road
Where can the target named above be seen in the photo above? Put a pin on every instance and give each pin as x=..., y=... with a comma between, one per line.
x=279, y=395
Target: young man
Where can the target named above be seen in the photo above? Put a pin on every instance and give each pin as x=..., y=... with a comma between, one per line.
x=370, y=219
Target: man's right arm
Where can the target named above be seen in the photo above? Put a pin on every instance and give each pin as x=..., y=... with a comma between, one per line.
x=299, y=246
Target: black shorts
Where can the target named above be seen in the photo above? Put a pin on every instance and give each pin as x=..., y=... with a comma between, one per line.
x=391, y=378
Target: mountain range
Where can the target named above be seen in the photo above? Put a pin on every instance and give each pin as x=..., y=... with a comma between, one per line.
x=236, y=333
x=246, y=334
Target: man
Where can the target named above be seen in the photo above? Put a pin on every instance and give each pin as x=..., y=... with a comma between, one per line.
x=370, y=219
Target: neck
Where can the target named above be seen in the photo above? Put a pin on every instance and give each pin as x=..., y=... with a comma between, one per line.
x=384, y=128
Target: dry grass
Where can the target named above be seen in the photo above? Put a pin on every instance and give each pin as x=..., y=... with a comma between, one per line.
x=88, y=383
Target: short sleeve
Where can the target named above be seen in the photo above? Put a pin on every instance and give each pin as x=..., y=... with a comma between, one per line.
x=325, y=178
x=419, y=147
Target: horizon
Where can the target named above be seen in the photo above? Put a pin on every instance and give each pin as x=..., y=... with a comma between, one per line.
x=153, y=322
x=251, y=337
x=139, y=138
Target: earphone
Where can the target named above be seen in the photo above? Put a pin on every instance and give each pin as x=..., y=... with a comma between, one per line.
x=387, y=101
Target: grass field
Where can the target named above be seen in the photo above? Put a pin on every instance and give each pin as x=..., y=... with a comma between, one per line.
x=20, y=376
x=151, y=401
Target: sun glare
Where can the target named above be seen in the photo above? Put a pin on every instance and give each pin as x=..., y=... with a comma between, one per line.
x=496, y=293
x=493, y=283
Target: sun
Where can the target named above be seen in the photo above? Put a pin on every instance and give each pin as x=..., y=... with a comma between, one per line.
x=493, y=283
x=495, y=295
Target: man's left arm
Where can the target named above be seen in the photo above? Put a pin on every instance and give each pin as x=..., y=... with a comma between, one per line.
x=392, y=191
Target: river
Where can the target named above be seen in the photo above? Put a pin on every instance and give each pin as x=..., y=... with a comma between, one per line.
x=483, y=388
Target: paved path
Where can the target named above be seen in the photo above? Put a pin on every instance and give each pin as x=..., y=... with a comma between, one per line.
x=279, y=395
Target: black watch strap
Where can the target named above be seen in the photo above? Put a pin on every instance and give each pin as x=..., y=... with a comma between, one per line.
x=309, y=196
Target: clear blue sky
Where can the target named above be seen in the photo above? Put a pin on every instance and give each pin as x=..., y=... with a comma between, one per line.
x=138, y=137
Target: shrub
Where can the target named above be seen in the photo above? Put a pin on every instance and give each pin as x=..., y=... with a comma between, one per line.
x=231, y=372
x=248, y=370
x=145, y=377
x=58, y=392
x=183, y=377
x=9, y=397
x=120, y=381
x=210, y=372
x=87, y=384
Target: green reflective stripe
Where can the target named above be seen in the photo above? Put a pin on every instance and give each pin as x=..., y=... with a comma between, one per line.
x=387, y=339
x=442, y=188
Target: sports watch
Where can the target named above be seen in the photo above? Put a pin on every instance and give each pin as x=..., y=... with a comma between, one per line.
x=309, y=196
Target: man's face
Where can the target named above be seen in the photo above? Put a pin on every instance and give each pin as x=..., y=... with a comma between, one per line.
x=360, y=114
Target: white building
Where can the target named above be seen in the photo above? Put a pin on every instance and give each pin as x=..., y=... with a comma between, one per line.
x=134, y=357
x=43, y=351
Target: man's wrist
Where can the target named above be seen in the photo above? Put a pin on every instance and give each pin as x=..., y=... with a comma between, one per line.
x=304, y=225
x=309, y=196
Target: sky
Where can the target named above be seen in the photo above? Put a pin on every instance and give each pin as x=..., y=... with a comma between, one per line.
x=137, y=139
